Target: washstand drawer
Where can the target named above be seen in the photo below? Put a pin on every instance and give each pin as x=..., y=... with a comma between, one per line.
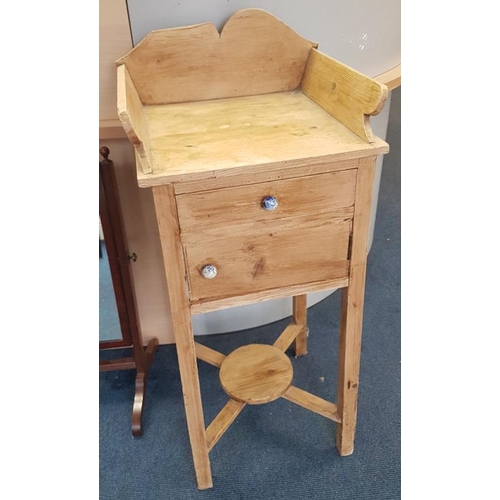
x=308, y=197
x=278, y=255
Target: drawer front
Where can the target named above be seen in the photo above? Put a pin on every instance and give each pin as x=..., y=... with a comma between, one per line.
x=309, y=197
x=302, y=253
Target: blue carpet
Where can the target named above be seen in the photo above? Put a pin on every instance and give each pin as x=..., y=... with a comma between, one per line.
x=276, y=451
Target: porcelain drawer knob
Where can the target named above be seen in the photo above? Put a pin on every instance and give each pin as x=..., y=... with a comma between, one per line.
x=209, y=272
x=269, y=203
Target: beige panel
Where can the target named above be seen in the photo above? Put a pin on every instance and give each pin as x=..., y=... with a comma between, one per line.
x=114, y=41
x=391, y=79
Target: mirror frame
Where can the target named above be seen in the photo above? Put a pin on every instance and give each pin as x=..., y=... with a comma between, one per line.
x=114, y=240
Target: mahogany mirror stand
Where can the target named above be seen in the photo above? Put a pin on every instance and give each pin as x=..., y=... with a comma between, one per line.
x=119, y=262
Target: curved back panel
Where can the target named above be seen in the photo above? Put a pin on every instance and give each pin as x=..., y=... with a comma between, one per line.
x=254, y=54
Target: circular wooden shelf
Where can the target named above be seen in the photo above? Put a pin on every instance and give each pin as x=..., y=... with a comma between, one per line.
x=256, y=374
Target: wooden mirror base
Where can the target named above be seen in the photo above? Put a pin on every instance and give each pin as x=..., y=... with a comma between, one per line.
x=119, y=262
x=141, y=362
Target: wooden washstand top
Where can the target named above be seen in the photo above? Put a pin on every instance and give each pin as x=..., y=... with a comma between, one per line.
x=197, y=104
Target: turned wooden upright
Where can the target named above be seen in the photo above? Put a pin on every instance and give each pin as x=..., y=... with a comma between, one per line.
x=260, y=155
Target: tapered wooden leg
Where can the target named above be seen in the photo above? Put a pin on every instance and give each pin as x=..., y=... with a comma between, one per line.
x=351, y=318
x=192, y=401
x=349, y=361
x=166, y=213
x=300, y=318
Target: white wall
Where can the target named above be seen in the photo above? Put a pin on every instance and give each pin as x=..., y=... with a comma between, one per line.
x=361, y=33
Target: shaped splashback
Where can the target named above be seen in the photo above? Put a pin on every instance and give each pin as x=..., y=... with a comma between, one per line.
x=255, y=53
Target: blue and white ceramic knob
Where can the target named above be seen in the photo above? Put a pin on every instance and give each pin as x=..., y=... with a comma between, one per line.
x=209, y=272
x=269, y=203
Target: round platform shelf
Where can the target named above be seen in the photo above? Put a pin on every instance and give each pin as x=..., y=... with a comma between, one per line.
x=256, y=374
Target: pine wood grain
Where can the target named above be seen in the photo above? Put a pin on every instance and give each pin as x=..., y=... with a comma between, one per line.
x=255, y=229
x=208, y=355
x=221, y=179
x=307, y=253
x=252, y=132
x=132, y=117
x=194, y=141
x=256, y=374
x=346, y=94
x=311, y=402
x=285, y=340
x=254, y=54
x=351, y=320
x=223, y=208
x=275, y=293
x=222, y=421
x=300, y=319
x=168, y=226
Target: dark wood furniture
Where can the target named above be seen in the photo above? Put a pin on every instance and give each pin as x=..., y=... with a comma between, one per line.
x=119, y=261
